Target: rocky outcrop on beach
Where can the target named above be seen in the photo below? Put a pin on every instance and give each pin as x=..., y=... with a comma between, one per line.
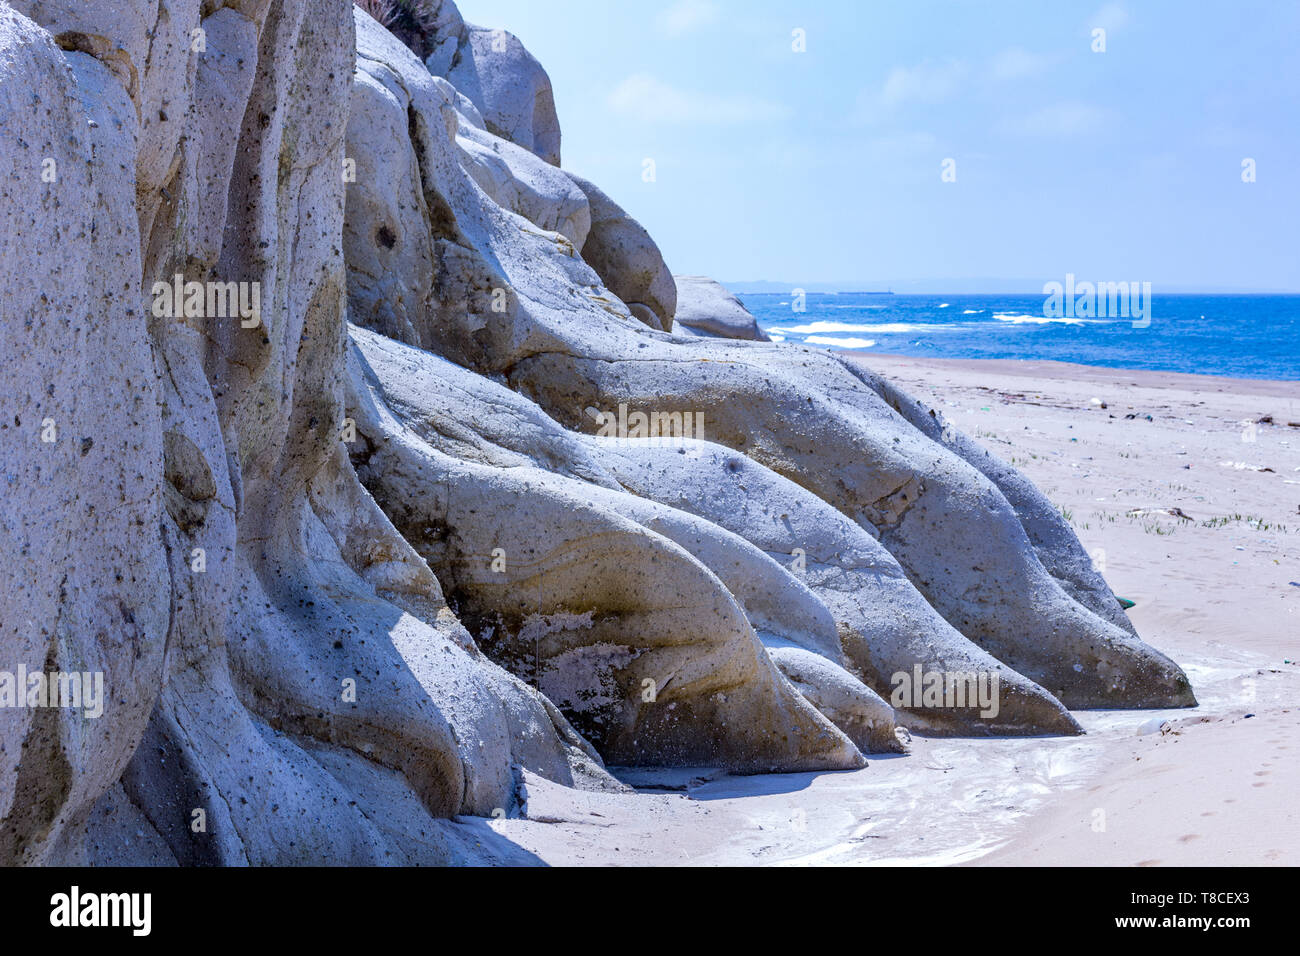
x=346, y=438
x=706, y=307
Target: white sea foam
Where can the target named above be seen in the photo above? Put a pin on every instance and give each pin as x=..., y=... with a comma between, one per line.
x=1019, y=318
x=817, y=327
x=971, y=311
x=847, y=342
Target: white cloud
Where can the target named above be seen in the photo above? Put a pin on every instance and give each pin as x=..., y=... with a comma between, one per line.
x=651, y=100
x=926, y=82
x=1017, y=64
x=685, y=16
x=902, y=145
x=1110, y=17
x=1071, y=118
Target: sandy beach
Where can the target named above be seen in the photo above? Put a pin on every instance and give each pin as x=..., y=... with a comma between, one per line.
x=1190, y=504
x=473, y=433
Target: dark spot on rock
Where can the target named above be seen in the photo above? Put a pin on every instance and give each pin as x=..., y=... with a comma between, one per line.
x=385, y=237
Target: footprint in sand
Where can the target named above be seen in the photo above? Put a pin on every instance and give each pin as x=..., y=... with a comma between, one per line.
x=1188, y=838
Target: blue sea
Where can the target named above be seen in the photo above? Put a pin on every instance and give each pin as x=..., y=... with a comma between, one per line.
x=1244, y=336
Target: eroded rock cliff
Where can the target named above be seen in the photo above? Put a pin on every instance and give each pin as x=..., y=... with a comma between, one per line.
x=346, y=581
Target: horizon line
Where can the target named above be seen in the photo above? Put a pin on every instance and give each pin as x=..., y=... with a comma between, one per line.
x=936, y=287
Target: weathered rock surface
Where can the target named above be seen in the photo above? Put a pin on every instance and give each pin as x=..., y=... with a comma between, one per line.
x=316, y=700
x=86, y=587
x=708, y=308
x=508, y=88
x=558, y=557
x=627, y=260
x=344, y=582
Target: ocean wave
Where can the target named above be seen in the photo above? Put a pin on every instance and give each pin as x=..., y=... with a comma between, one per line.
x=971, y=311
x=1019, y=318
x=813, y=328
x=847, y=342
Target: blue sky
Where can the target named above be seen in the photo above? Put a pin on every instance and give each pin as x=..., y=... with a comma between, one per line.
x=826, y=165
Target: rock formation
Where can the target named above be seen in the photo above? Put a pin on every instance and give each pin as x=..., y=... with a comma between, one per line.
x=353, y=554
x=706, y=307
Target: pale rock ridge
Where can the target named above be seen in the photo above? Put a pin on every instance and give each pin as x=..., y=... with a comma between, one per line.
x=222, y=478
x=552, y=564
x=86, y=587
x=280, y=661
x=627, y=260
x=798, y=412
x=706, y=307
x=509, y=90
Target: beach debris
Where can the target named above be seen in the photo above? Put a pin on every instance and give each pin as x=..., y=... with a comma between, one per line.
x=1264, y=420
x=1294, y=584
x=1174, y=512
x=1154, y=725
x=1098, y=402
x=1243, y=466
x=1125, y=603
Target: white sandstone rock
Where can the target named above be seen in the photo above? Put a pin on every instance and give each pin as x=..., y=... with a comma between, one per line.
x=706, y=307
